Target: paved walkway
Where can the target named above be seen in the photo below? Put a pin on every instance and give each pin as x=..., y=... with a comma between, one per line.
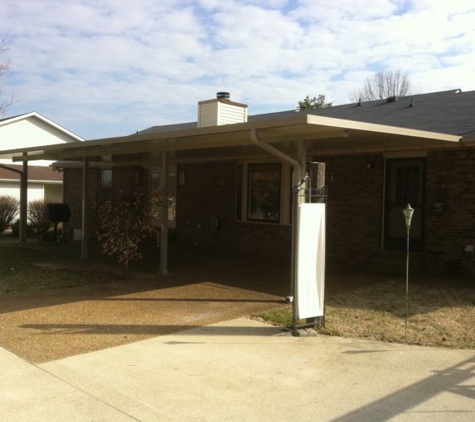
x=243, y=370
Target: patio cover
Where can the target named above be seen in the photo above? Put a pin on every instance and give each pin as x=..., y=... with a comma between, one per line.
x=325, y=135
x=290, y=138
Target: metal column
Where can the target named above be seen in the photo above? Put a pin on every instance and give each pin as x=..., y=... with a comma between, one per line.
x=85, y=206
x=23, y=203
x=164, y=188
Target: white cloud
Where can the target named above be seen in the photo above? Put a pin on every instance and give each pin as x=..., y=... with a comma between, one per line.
x=104, y=68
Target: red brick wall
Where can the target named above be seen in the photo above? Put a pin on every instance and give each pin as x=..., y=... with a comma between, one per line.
x=354, y=211
x=124, y=184
x=354, y=207
x=73, y=193
x=210, y=189
x=450, y=175
x=354, y=214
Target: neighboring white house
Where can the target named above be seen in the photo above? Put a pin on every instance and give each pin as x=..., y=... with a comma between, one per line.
x=30, y=130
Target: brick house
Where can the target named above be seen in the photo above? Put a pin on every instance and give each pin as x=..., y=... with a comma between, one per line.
x=231, y=176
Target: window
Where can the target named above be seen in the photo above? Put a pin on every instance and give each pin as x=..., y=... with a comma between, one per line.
x=407, y=185
x=239, y=192
x=155, y=196
x=263, y=193
x=105, y=186
x=106, y=179
x=404, y=184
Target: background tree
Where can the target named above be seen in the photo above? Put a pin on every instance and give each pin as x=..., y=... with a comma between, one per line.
x=313, y=103
x=4, y=68
x=382, y=85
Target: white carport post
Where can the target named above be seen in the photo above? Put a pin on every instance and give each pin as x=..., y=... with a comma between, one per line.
x=23, y=203
x=164, y=188
x=85, y=206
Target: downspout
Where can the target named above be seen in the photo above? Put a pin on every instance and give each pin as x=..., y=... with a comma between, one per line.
x=277, y=153
x=298, y=178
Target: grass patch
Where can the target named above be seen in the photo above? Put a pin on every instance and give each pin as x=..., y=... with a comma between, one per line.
x=439, y=315
x=17, y=274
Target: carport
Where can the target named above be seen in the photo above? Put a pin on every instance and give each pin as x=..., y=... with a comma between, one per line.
x=293, y=139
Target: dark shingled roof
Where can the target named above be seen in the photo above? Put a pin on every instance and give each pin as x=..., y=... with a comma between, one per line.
x=451, y=112
x=166, y=128
x=34, y=173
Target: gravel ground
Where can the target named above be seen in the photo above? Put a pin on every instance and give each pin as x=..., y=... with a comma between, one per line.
x=50, y=325
x=204, y=288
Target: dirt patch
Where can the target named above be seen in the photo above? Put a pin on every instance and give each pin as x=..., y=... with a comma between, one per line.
x=51, y=325
x=205, y=287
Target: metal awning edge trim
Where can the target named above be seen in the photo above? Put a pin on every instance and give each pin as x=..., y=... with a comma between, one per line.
x=98, y=146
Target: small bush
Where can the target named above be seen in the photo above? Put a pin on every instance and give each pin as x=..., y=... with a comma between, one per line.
x=39, y=223
x=8, y=211
x=123, y=227
x=16, y=229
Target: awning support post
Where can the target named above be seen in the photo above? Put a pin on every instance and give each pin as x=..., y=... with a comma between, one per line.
x=164, y=188
x=85, y=206
x=23, y=203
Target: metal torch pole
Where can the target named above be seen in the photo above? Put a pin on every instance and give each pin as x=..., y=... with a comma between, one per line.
x=407, y=285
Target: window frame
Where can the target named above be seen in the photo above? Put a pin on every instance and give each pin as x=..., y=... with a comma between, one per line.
x=242, y=195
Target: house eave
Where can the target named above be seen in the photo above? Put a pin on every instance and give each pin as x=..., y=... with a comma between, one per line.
x=43, y=182
x=323, y=133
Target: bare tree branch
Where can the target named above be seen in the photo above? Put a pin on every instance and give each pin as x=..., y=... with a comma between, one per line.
x=382, y=86
x=4, y=68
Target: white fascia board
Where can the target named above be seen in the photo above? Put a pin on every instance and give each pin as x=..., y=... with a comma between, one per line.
x=45, y=182
x=373, y=127
x=38, y=116
x=58, y=127
x=94, y=147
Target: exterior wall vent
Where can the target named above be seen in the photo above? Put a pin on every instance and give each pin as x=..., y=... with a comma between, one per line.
x=221, y=111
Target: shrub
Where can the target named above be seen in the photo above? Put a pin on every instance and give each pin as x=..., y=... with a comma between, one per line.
x=16, y=229
x=122, y=228
x=39, y=222
x=8, y=211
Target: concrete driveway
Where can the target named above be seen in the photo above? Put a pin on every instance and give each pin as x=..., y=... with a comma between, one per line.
x=243, y=370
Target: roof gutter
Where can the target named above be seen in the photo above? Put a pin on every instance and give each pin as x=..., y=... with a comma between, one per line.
x=276, y=153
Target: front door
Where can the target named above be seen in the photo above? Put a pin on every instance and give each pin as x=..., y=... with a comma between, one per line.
x=404, y=184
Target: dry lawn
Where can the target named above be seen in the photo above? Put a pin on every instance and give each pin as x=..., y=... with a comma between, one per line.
x=17, y=274
x=441, y=314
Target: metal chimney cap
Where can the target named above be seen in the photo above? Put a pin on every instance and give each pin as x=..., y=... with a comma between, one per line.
x=222, y=95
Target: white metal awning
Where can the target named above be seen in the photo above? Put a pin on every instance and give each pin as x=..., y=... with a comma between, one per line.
x=324, y=135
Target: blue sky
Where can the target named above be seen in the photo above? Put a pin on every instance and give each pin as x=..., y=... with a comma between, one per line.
x=105, y=68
